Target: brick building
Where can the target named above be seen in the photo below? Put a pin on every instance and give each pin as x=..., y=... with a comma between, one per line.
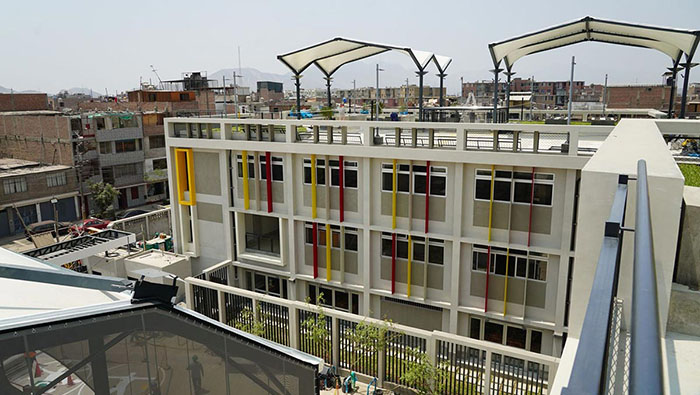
x=547, y=94
x=270, y=91
x=27, y=190
x=23, y=101
x=639, y=96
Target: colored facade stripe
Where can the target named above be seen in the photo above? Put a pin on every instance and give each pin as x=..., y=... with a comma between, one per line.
x=393, y=263
x=427, y=195
x=184, y=173
x=341, y=186
x=268, y=176
x=488, y=261
x=408, y=277
x=393, y=198
x=328, y=252
x=505, y=287
x=246, y=186
x=315, y=248
x=313, y=186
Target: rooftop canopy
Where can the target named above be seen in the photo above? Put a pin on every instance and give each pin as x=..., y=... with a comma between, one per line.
x=672, y=42
x=330, y=55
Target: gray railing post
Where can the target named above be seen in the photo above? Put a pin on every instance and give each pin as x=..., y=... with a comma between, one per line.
x=221, y=296
x=315, y=131
x=646, y=367
x=293, y=327
x=335, y=338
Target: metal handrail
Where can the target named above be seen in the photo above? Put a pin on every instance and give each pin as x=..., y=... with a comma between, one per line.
x=646, y=368
x=587, y=373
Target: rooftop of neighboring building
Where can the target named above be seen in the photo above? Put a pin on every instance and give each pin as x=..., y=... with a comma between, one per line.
x=10, y=167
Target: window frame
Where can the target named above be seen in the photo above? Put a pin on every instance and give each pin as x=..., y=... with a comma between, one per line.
x=435, y=171
x=415, y=240
x=276, y=161
x=348, y=165
x=10, y=186
x=251, y=166
x=56, y=180
x=335, y=229
x=514, y=257
x=332, y=303
x=546, y=179
x=320, y=169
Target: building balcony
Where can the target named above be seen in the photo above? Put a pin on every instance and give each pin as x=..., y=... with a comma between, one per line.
x=119, y=134
x=121, y=158
x=156, y=175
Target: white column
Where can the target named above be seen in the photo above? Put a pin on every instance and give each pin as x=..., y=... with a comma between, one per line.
x=455, y=267
x=38, y=212
x=366, y=239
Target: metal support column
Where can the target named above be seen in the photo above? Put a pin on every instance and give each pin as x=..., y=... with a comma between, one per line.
x=686, y=76
x=328, y=89
x=508, y=74
x=495, y=94
x=297, y=83
x=420, y=73
x=674, y=81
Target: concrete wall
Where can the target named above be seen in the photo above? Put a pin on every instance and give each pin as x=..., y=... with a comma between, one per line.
x=40, y=138
x=688, y=271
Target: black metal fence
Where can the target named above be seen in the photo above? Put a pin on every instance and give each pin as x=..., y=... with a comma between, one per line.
x=354, y=356
x=205, y=301
x=238, y=311
x=308, y=344
x=275, y=321
x=397, y=352
x=517, y=377
x=463, y=368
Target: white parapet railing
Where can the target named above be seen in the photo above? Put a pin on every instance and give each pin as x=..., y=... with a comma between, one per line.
x=569, y=140
x=145, y=226
x=469, y=366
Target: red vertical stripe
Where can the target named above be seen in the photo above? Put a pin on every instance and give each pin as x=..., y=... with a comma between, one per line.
x=393, y=262
x=341, y=181
x=315, y=248
x=532, y=198
x=488, y=269
x=427, y=195
x=268, y=175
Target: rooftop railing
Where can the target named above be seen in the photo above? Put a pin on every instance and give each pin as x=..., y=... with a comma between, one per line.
x=525, y=138
x=595, y=368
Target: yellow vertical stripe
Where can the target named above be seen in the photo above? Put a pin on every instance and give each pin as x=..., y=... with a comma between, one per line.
x=393, y=198
x=505, y=287
x=184, y=174
x=313, y=186
x=246, y=188
x=493, y=170
x=328, y=252
x=410, y=245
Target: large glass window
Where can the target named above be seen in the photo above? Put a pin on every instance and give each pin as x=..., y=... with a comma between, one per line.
x=277, y=168
x=335, y=298
x=251, y=166
x=350, y=236
x=320, y=171
x=544, y=185
x=402, y=177
x=106, y=147
x=438, y=180
x=349, y=173
x=56, y=180
x=15, y=185
x=436, y=248
x=130, y=145
x=513, y=263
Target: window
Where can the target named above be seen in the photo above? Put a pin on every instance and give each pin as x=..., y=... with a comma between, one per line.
x=55, y=180
x=106, y=147
x=350, y=236
x=130, y=145
x=251, y=166
x=160, y=164
x=277, y=168
x=131, y=169
x=124, y=121
x=100, y=123
x=349, y=173
x=513, y=263
x=402, y=177
x=438, y=180
x=493, y=332
x=475, y=328
x=156, y=142
x=320, y=171
x=501, y=187
x=544, y=184
x=536, y=341
x=335, y=298
x=436, y=248
x=515, y=337
x=15, y=185
x=266, y=284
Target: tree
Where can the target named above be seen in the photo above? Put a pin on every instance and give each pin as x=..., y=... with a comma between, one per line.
x=315, y=329
x=421, y=374
x=327, y=112
x=369, y=338
x=103, y=194
x=247, y=323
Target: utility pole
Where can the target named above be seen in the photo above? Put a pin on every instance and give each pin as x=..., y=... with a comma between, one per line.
x=352, y=92
x=605, y=93
x=224, y=83
x=377, y=93
x=406, y=94
x=532, y=94
x=461, y=86
x=235, y=95
x=571, y=89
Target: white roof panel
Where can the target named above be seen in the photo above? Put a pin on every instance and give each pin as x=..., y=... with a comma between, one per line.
x=672, y=42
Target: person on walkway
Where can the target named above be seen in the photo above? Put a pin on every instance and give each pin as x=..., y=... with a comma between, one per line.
x=196, y=372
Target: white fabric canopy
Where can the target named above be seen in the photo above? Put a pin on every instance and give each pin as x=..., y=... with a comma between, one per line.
x=672, y=42
x=330, y=55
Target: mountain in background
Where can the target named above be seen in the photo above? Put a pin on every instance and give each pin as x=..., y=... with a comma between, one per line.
x=364, y=74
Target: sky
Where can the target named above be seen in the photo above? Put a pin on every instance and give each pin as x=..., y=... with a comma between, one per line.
x=53, y=45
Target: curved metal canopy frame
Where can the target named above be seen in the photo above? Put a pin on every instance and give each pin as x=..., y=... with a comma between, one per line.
x=330, y=55
x=672, y=42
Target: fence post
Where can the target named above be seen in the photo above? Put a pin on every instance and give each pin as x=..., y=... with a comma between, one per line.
x=381, y=367
x=487, y=373
x=431, y=138
x=222, y=305
x=535, y=142
x=344, y=135
x=414, y=137
x=397, y=137
x=460, y=139
x=290, y=133
x=293, y=327
x=335, y=338
x=495, y=140
x=573, y=143
x=148, y=230
x=189, y=294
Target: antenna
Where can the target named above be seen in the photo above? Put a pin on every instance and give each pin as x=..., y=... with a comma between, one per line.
x=160, y=82
x=239, y=61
